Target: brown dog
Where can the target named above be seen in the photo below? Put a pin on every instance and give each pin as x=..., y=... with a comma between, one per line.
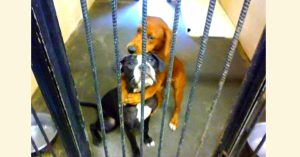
x=158, y=42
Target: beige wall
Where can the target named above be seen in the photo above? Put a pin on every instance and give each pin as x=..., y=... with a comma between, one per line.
x=33, y=84
x=69, y=14
x=254, y=23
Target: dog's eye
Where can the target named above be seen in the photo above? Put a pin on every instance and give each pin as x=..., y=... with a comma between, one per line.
x=150, y=37
x=151, y=60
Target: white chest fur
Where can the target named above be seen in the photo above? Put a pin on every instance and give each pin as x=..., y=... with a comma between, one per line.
x=147, y=112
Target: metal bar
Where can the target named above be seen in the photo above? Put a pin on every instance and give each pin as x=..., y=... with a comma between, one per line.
x=200, y=59
x=35, y=148
x=169, y=76
x=144, y=49
x=52, y=72
x=250, y=89
x=89, y=39
x=252, y=118
x=231, y=52
x=42, y=131
x=40, y=70
x=118, y=76
x=259, y=146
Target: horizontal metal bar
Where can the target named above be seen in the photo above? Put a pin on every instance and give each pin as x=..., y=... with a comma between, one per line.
x=42, y=131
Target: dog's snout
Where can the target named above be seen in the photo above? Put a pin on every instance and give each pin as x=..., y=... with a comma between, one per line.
x=131, y=49
x=147, y=68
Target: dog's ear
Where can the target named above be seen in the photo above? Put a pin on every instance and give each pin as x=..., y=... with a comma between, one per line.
x=160, y=63
x=121, y=65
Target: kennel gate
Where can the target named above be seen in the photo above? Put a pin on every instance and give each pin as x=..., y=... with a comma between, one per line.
x=51, y=68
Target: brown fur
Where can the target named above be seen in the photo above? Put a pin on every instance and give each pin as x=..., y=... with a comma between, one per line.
x=160, y=45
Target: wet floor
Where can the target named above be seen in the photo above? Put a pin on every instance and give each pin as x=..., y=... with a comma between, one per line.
x=129, y=16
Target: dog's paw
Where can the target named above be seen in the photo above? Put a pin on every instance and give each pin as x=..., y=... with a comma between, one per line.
x=172, y=126
x=96, y=141
x=174, y=122
x=136, y=153
x=149, y=142
x=96, y=138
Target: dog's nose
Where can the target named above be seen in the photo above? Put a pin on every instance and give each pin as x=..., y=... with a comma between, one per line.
x=131, y=49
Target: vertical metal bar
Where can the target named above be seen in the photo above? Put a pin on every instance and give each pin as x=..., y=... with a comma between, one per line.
x=43, y=77
x=118, y=77
x=200, y=59
x=52, y=71
x=252, y=118
x=259, y=146
x=253, y=83
x=42, y=131
x=231, y=52
x=35, y=148
x=169, y=76
x=144, y=49
x=89, y=39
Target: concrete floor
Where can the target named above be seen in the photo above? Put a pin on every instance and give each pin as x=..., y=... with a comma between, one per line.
x=186, y=49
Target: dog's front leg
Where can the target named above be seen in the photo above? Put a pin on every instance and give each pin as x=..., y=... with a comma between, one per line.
x=94, y=127
x=147, y=139
x=124, y=90
x=178, y=86
x=135, y=98
x=133, y=143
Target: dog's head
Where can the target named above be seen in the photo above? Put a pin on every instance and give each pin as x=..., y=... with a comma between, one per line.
x=132, y=68
x=158, y=37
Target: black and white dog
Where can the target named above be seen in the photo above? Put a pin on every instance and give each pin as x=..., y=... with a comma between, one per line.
x=131, y=68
